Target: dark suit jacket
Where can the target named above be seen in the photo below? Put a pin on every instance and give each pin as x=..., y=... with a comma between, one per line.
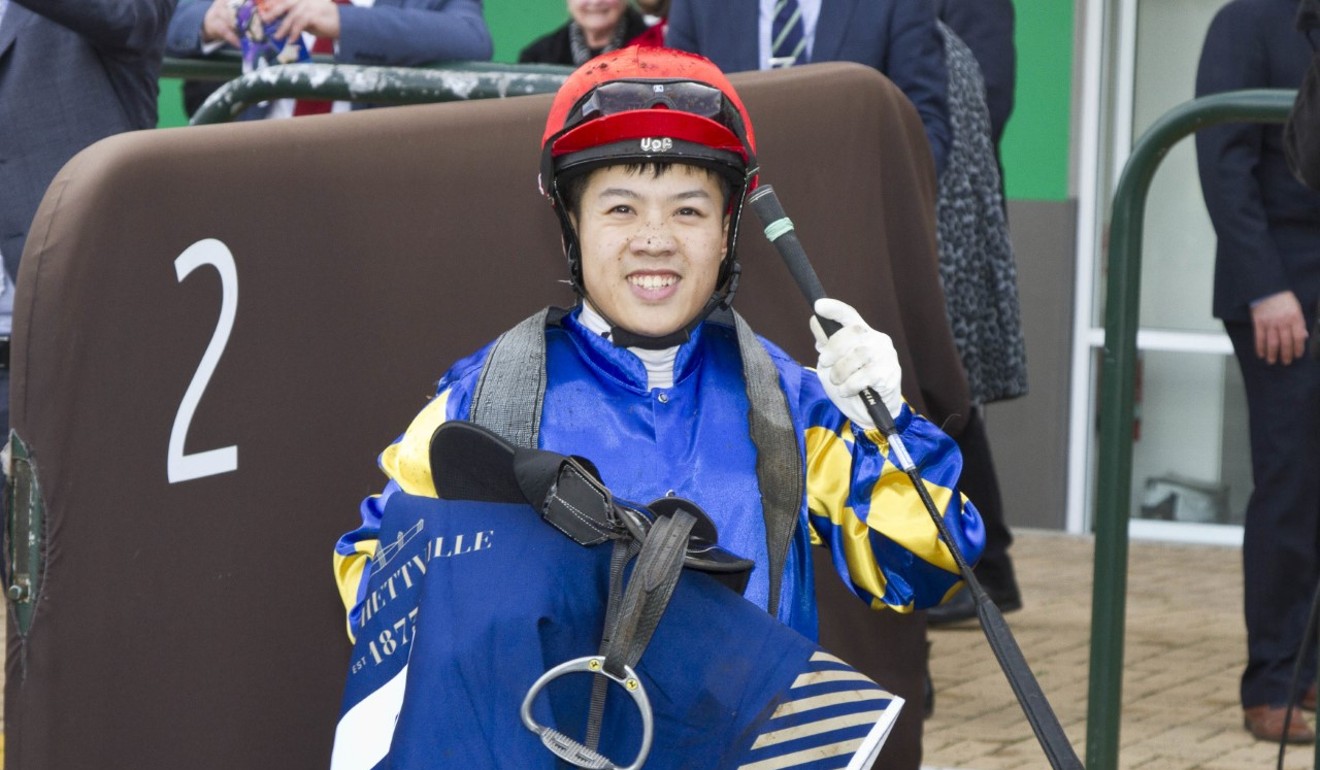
x=1267, y=223
x=986, y=26
x=71, y=72
x=897, y=37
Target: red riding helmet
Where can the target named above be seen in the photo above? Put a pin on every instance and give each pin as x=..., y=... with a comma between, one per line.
x=649, y=105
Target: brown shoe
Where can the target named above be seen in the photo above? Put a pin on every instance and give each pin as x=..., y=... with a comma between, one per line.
x=1265, y=723
x=1308, y=699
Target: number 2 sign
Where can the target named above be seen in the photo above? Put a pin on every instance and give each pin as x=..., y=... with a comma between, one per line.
x=185, y=467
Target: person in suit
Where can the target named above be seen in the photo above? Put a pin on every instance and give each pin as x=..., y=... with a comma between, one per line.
x=1267, y=284
x=896, y=37
x=594, y=27
x=71, y=72
x=403, y=33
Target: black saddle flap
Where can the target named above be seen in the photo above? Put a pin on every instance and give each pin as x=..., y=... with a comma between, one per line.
x=471, y=462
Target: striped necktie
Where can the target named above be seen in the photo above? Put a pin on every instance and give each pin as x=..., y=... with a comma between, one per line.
x=788, y=41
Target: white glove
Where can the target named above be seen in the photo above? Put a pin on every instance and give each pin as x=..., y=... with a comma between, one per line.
x=855, y=358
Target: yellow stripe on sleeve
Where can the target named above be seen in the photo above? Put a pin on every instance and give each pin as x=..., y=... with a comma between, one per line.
x=898, y=513
x=829, y=476
x=408, y=460
x=348, y=573
x=896, y=510
x=829, y=471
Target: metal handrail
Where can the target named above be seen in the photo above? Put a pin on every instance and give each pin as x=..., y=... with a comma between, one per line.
x=321, y=78
x=225, y=64
x=1117, y=384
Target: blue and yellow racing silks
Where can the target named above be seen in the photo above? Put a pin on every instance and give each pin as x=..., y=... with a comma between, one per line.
x=691, y=440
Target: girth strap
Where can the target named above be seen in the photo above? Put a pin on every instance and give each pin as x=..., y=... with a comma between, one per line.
x=511, y=392
x=649, y=588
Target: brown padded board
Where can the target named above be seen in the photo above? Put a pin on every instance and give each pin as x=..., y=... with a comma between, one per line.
x=195, y=624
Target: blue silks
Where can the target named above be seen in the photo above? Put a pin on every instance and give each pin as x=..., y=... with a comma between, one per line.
x=469, y=603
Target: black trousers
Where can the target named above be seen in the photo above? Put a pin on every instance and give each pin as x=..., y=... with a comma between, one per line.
x=980, y=484
x=1281, y=536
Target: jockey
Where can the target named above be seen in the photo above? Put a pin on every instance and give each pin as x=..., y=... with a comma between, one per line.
x=647, y=157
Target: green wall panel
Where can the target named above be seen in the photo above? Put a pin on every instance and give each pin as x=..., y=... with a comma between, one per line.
x=169, y=104
x=515, y=23
x=1036, y=140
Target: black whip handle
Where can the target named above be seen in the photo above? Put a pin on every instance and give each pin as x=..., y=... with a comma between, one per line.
x=1044, y=723
x=779, y=229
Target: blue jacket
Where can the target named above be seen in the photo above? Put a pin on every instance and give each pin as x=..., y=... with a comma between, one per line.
x=692, y=440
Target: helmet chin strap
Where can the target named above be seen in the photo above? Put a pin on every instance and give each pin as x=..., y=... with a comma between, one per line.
x=622, y=338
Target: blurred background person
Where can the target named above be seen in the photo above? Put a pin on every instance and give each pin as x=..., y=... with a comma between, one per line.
x=978, y=268
x=593, y=28
x=656, y=14
x=71, y=72
x=896, y=37
x=403, y=33
x=1267, y=284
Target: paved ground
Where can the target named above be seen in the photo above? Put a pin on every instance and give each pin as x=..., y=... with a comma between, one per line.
x=1185, y=645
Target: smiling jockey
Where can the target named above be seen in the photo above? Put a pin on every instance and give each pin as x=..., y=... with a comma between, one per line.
x=648, y=155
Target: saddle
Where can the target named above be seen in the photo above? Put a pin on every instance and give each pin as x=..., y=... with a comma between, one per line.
x=470, y=462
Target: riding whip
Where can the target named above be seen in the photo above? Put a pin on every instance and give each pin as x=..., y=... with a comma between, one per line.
x=1050, y=734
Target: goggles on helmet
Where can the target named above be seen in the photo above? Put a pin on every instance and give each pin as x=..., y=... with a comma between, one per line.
x=699, y=118
x=623, y=95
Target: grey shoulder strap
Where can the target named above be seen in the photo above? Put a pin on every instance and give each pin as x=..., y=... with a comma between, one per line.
x=511, y=388
x=511, y=392
x=778, y=460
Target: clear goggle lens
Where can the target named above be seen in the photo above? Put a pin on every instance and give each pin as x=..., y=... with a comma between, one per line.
x=626, y=95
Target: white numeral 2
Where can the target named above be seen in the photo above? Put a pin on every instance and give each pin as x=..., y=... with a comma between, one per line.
x=179, y=466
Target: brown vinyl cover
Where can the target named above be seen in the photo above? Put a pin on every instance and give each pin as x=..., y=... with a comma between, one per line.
x=195, y=624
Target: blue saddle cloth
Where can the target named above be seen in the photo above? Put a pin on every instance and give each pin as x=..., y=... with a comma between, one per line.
x=469, y=603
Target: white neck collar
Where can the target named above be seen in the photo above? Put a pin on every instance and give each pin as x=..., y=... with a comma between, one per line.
x=659, y=363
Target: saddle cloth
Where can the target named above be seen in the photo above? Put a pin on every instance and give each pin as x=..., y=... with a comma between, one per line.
x=470, y=602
